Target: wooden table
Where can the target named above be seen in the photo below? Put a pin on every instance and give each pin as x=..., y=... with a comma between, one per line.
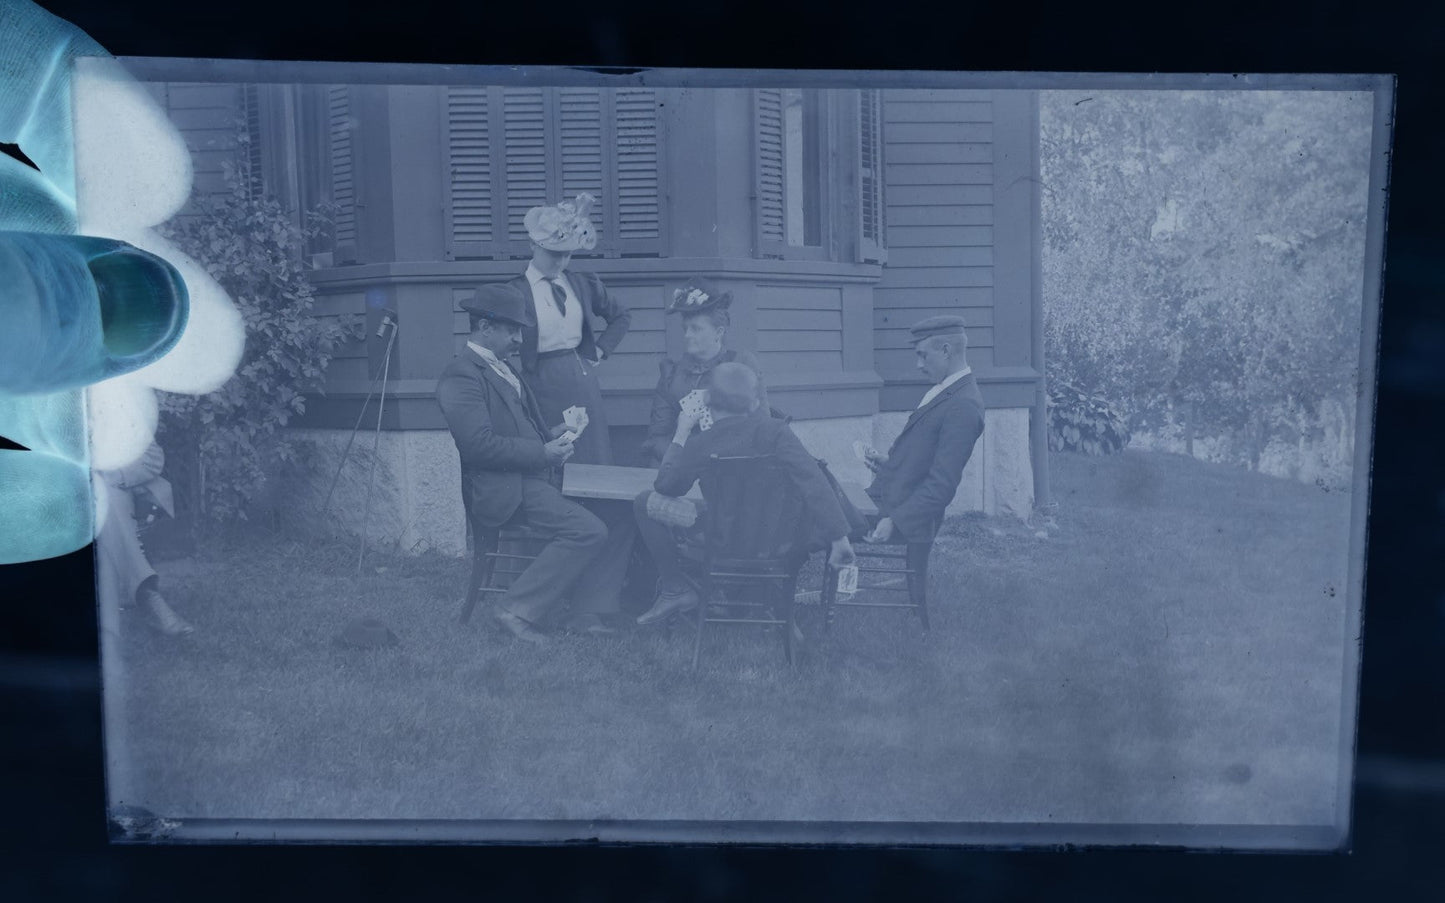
x=607, y=481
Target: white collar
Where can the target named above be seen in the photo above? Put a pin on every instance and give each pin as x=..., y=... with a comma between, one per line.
x=954, y=377
x=939, y=389
x=486, y=354
x=535, y=275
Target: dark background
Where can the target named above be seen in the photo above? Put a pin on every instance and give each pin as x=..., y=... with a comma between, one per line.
x=53, y=832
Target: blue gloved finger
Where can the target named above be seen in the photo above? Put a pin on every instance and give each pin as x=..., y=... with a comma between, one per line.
x=31, y=203
x=80, y=309
x=51, y=424
x=36, y=53
x=47, y=506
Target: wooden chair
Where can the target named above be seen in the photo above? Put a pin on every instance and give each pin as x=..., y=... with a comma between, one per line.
x=893, y=560
x=752, y=540
x=497, y=554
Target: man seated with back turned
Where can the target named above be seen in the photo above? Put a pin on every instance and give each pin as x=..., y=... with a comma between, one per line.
x=919, y=476
x=741, y=427
x=511, y=464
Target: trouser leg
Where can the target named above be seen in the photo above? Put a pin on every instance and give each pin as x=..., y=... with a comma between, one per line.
x=601, y=591
x=119, y=556
x=577, y=536
x=661, y=544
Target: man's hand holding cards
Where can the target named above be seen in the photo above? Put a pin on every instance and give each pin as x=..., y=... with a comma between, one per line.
x=575, y=419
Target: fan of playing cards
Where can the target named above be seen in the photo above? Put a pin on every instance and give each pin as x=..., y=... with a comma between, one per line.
x=694, y=403
x=575, y=418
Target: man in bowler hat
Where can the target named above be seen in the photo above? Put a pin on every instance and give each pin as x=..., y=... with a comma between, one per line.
x=919, y=476
x=565, y=342
x=511, y=474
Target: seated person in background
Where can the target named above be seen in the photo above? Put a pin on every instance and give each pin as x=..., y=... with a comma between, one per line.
x=704, y=312
x=511, y=472
x=919, y=476
x=741, y=427
x=122, y=570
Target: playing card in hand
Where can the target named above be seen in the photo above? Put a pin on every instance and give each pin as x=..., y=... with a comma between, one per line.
x=694, y=403
x=575, y=419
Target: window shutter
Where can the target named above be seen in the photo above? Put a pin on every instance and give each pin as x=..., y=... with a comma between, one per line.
x=250, y=172
x=871, y=244
x=511, y=149
x=469, y=192
x=768, y=166
x=638, y=181
x=341, y=125
x=580, y=150
x=524, y=154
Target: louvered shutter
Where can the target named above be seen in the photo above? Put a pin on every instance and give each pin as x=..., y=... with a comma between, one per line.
x=341, y=126
x=525, y=160
x=250, y=172
x=470, y=191
x=580, y=151
x=637, y=187
x=871, y=244
x=768, y=170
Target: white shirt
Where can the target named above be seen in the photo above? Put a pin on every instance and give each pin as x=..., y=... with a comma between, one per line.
x=554, y=331
x=948, y=381
x=498, y=367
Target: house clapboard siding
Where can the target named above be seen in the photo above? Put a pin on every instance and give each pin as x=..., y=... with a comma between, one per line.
x=922, y=222
x=209, y=117
x=837, y=218
x=939, y=217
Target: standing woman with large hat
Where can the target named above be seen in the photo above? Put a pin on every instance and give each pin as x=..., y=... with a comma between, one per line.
x=705, y=320
x=578, y=323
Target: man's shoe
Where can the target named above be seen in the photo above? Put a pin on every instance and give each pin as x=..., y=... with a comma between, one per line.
x=169, y=623
x=519, y=627
x=590, y=625
x=668, y=602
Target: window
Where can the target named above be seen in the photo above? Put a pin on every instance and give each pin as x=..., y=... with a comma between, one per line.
x=818, y=175
x=511, y=149
x=801, y=191
x=788, y=126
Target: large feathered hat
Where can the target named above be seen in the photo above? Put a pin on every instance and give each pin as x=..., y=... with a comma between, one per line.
x=564, y=227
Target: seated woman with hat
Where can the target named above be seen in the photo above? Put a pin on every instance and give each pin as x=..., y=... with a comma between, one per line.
x=704, y=312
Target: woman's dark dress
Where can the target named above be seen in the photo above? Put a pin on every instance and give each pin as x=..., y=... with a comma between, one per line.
x=678, y=378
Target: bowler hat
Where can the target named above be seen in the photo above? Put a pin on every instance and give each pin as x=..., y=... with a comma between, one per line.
x=563, y=227
x=947, y=325
x=500, y=301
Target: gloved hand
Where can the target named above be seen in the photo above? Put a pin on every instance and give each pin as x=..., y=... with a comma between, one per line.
x=77, y=310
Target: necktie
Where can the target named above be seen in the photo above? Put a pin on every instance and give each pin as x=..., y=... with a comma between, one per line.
x=559, y=294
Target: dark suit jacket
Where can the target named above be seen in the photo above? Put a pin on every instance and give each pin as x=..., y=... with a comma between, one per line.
x=498, y=435
x=597, y=303
x=679, y=378
x=756, y=434
x=926, y=461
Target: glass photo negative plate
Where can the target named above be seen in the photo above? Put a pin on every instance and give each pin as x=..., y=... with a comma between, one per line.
x=1107, y=343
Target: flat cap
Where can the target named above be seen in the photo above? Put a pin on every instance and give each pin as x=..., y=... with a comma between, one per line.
x=500, y=301
x=947, y=325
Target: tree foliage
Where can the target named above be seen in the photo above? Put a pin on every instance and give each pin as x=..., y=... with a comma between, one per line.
x=254, y=249
x=1204, y=252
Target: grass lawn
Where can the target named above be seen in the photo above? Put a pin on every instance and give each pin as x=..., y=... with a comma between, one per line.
x=1171, y=652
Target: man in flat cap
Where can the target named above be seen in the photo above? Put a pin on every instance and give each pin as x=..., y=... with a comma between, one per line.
x=565, y=341
x=919, y=476
x=511, y=474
